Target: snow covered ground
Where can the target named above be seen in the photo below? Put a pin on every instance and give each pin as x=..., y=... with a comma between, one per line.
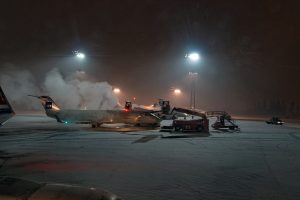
x=260, y=162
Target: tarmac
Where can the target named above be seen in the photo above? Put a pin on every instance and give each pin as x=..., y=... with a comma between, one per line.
x=259, y=162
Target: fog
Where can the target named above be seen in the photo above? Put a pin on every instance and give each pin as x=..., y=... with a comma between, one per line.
x=71, y=91
x=249, y=53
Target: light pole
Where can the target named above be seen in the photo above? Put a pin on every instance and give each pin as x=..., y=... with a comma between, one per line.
x=116, y=90
x=177, y=91
x=175, y=95
x=193, y=58
x=193, y=76
x=80, y=56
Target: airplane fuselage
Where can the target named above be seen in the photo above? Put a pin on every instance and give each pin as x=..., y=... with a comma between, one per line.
x=102, y=116
x=6, y=111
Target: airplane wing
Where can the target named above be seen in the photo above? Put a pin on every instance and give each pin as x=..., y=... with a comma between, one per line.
x=6, y=111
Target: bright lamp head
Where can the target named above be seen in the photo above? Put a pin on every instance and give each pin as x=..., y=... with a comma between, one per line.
x=116, y=90
x=177, y=91
x=80, y=55
x=193, y=57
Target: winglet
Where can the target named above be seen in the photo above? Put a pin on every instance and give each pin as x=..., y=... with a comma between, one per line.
x=47, y=103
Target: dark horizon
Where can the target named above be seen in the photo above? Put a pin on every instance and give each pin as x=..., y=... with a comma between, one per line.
x=249, y=49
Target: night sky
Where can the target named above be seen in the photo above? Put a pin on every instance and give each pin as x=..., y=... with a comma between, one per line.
x=250, y=49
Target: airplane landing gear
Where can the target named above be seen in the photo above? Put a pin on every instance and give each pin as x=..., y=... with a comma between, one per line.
x=96, y=124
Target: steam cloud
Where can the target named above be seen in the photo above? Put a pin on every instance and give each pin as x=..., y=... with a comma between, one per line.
x=70, y=92
x=17, y=84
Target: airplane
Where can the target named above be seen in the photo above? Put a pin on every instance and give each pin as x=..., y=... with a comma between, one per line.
x=6, y=111
x=97, y=117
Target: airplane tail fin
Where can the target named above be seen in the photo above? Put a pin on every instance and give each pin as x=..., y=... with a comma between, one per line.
x=6, y=110
x=48, y=103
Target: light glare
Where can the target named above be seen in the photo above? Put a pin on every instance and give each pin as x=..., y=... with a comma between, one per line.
x=194, y=57
x=177, y=91
x=117, y=90
x=80, y=55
